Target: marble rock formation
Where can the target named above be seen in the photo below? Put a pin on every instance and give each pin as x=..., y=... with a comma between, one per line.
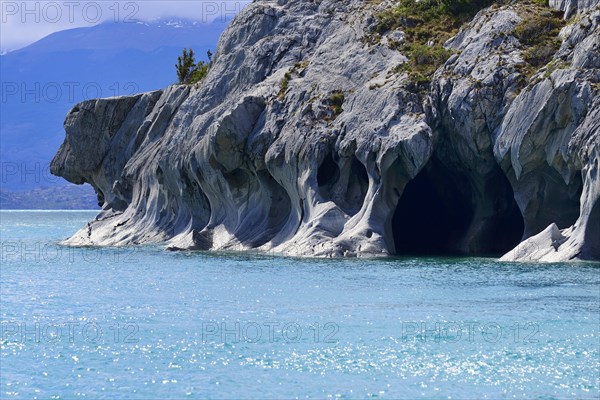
x=306, y=140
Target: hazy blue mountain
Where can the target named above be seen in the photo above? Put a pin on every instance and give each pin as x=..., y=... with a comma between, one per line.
x=68, y=197
x=42, y=81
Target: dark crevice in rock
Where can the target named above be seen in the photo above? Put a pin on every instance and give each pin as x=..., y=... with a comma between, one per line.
x=237, y=179
x=192, y=194
x=117, y=204
x=503, y=230
x=356, y=189
x=591, y=249
x=279, y=210
x=99, y=195
x=122, y=191
x=547, y=199
x=203, y=240
x=327, y=175
x=433, y=214
x=345, y=182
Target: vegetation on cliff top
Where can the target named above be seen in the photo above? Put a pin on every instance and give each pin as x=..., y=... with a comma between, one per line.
x=426, y=20
x=539, y=34
x=428, y=24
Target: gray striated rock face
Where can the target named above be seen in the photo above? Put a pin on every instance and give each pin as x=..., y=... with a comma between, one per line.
x=571, y=7
x=548, y=146
x=252, y=158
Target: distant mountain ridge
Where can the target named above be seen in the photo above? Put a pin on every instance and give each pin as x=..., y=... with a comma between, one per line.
x=42, y=81
x=68, y=197
x=133, y=35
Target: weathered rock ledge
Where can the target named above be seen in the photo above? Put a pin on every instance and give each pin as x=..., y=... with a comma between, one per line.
x=476, y=166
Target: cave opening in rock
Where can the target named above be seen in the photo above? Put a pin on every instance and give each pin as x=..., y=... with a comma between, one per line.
x=440, y=212
x=432, y=214
x=561, y=202
x=279, y=209
x=545, y=198
x=237, y=179
x=327, y=175
x=356, y=190
x=591, y=249
x=503, y=229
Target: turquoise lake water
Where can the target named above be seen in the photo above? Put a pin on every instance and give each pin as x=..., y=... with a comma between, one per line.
x=146, y=323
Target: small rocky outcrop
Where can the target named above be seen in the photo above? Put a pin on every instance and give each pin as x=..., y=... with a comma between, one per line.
x=307, y=139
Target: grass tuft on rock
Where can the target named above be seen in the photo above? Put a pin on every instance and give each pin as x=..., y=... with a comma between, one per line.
x=423, y=61
x=427, y=25
x=336, y=101
x=429, y=19
x=539, y=34
x=284, y=86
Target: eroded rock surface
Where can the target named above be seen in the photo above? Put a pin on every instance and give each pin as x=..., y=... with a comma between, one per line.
x=305, y=140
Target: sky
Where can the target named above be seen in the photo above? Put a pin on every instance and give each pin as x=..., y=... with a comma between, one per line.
x=24, y=22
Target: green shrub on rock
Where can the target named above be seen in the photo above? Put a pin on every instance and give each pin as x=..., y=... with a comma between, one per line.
x=188, y=72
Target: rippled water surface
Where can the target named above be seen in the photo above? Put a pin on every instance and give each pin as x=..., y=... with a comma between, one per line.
x=145, y=323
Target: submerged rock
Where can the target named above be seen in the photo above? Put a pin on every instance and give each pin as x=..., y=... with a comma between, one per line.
x=306, y=140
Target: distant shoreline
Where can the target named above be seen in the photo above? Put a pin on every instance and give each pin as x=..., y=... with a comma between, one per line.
x=44, y=210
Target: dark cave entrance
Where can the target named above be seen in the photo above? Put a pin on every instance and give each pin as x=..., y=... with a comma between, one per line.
x=557, y=202
x=432, y=215
x=440, y=213
x=327, y=175
x=356, y=191
x=592, y=234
